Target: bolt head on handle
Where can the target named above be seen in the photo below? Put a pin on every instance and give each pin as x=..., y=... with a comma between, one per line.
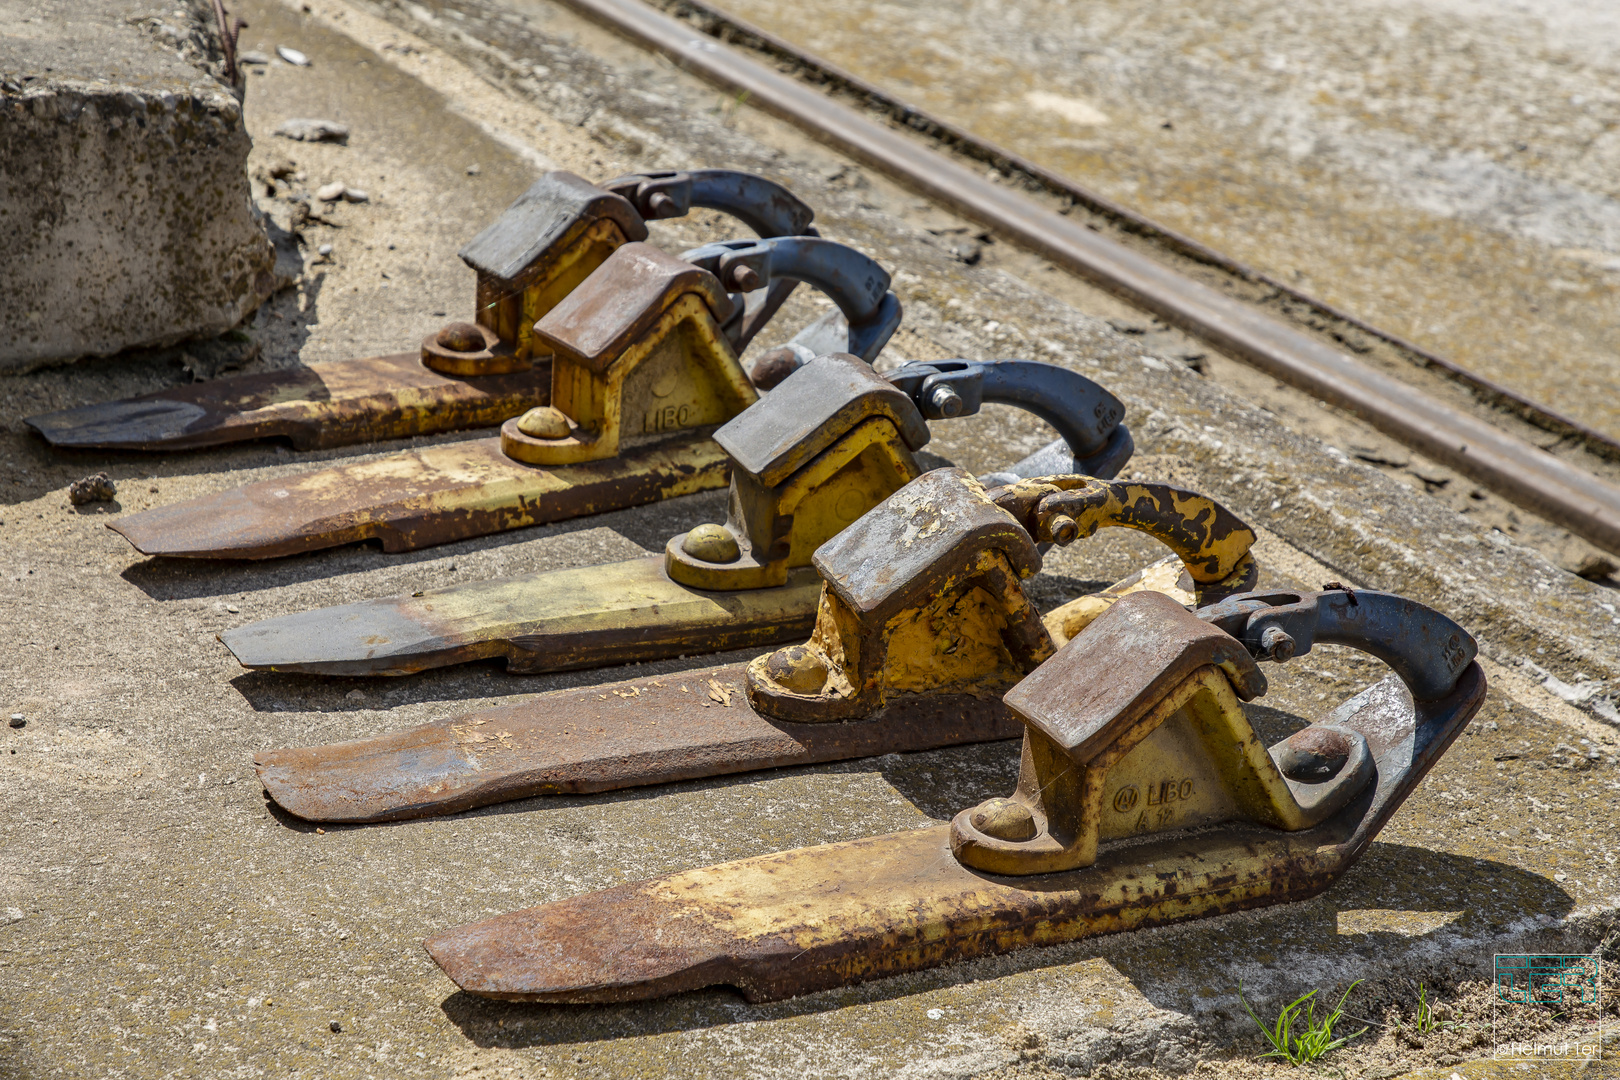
x=853, y=281
x=1060, y=529
x=1277, y=644
x=945, y=402
x=662, y=206
x=656, y=195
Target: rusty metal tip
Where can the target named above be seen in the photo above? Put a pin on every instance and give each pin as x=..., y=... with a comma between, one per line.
x=598, y=947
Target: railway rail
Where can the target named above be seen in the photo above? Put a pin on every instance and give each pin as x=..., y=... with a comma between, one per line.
x=1527, y=475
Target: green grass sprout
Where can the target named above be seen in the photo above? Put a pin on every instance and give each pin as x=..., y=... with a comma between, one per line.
x=1301, y=1040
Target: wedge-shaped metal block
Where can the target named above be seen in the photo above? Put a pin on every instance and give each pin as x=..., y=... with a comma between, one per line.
x=604, y=738
x=417, y=499
x=591, y=616
x=816, y=918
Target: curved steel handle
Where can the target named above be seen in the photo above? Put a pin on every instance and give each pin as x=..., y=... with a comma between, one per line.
x=763, y=205
x=857, y=284
x=1083, y=413
x=1209, y=539
x=1426, y=649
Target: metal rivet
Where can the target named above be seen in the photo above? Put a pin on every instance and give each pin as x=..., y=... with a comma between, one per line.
x=712, y=544
x=1063, y=529
x=662, y=206
x=1004, y=819
x=544, y=422
x=461, y=337
x=798, y=669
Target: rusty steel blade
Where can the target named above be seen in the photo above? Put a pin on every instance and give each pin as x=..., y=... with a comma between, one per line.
x=816, y=918
x=590, y=616
x=418, y=499
x=323, y=405
x=603, y=738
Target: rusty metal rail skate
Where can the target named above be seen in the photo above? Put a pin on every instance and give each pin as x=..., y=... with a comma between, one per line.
x=643, y=372
x=1144, y=798
x=828, y=444
x=922, y=624
x=467, y=374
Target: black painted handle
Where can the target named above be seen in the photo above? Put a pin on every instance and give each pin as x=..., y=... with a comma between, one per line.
x=1426, y=649
x=763, y=205
x=1083, y=413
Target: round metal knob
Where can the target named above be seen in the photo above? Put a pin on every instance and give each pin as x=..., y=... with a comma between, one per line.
x=461, y=337
x=712, y=544
x=1314, y=755
x=946, y=402
x=798, y=669
x=544, y=422
x=1004, y=819
x=773, y=366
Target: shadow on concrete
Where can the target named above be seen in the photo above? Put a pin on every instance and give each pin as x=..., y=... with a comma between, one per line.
x=40, y=467
x=1203, y=952
x=271, y=691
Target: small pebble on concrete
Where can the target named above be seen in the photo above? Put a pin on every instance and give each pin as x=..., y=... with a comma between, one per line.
x=306, y=129
x=329, y=192
x=292, y=56
x=473, y=169
x=18, y=720
x=325, y=249
x=336, y=1027
x=355, y=195
x=97, y=487
x=253, y=56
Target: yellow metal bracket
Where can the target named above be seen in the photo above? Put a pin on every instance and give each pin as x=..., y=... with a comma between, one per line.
x=546, y=245
x=638, y=357
x=828, y=444
x=1162, y=744
x=923, y=594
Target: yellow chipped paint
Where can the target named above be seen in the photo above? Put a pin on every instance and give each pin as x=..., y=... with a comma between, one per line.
x=817, y=501
x=554, y=274
x=681, y=375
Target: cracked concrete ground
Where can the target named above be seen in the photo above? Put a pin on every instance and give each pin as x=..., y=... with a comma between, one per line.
x=158, y=920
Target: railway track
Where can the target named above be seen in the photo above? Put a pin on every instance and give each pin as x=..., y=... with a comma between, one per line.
x=931, y=156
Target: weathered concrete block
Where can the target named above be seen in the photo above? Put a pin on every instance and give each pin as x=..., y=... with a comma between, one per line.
x=124, y=202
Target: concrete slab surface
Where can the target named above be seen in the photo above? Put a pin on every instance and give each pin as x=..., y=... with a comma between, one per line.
x=156, y=919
